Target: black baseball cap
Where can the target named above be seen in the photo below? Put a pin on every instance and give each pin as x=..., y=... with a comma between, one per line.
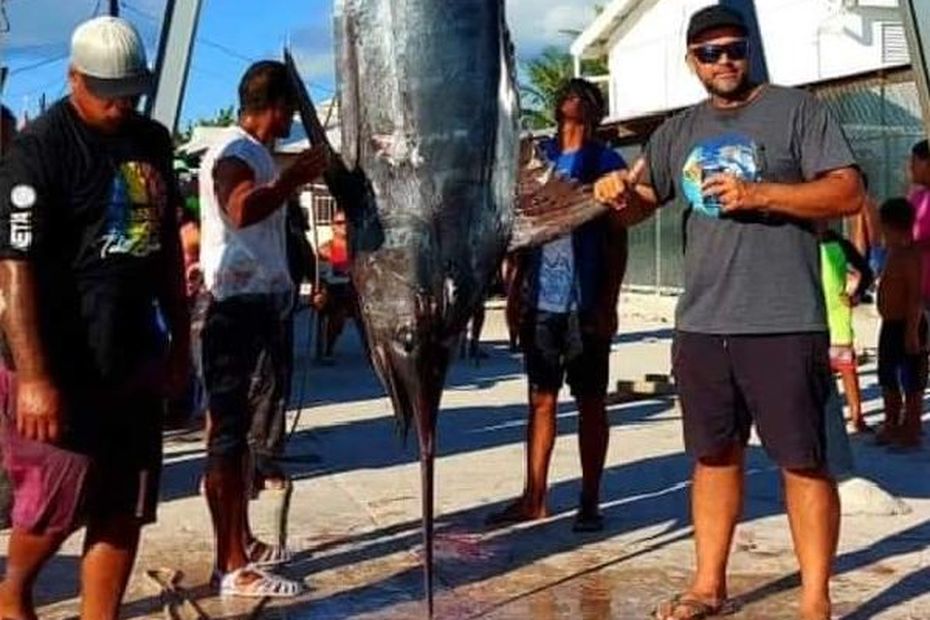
x=715, y=16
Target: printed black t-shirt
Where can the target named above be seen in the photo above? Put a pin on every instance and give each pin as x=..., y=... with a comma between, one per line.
x=89, y=211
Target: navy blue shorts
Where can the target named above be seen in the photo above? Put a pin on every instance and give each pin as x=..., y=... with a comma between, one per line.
x=780, y=383
x=551, y=358
x=898, y=370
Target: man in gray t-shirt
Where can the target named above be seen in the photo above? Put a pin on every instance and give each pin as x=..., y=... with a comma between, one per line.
x=758, y=164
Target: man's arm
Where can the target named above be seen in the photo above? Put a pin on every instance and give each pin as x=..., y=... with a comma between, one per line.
x=833, y=194
x=38, y=405
x=633, y=200
x=25, y=179
x=859, y=264
x=245, y=202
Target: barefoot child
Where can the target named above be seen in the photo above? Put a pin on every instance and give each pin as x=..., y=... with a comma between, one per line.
x=902, y=356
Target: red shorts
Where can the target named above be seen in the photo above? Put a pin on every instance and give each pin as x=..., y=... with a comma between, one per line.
x=49, y=483
x=842, y=358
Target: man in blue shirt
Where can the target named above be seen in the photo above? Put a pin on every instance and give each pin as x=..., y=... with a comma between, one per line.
x=569, y=297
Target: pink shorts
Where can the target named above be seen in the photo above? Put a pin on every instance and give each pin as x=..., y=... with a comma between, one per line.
x=49, y=483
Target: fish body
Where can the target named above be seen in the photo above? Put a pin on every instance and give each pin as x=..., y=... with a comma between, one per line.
x=428, y=180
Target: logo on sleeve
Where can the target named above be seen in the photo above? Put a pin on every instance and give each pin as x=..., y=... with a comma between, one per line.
x=23, y=196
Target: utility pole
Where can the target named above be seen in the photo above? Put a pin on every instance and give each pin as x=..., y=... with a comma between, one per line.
x=173, y=62
x=114, y=8
x=917, y=22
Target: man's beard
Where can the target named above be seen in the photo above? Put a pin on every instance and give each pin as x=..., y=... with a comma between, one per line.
x=736, y=94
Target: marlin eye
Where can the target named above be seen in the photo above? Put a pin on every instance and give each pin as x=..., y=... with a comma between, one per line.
x=406, y=338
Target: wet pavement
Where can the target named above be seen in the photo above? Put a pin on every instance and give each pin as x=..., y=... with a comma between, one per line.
x=355, y=511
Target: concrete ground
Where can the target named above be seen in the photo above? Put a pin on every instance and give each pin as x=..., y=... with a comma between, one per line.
x=355, y=513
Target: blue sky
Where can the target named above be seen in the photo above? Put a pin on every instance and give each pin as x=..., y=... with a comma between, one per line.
x=232, y=33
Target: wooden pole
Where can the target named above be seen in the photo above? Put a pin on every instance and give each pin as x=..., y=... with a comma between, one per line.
x=917, y=25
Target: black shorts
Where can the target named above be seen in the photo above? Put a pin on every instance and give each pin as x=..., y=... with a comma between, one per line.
x=126, y=460
x=897, y=370
x=242, y=338
x=779, y=382
x=551, y=357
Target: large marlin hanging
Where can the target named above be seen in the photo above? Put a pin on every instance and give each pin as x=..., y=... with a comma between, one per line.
x=430, y=146
x=428, y=178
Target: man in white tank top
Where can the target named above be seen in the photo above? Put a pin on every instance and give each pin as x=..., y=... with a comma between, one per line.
x=244, y=258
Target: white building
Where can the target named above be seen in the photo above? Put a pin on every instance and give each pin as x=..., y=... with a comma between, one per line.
x=804, y=42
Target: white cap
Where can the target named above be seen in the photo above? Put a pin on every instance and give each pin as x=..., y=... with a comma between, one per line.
x=109, y=52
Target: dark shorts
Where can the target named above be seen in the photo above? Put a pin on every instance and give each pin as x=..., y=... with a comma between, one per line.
x=551, y=357
x=779, y=382
x=341, y=298
x=897, y=370
x=244, y=352
x=108, y=464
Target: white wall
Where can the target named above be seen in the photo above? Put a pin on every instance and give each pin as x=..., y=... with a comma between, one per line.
x=805, y=41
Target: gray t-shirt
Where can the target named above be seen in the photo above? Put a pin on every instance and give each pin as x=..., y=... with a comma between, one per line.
x=754, y=273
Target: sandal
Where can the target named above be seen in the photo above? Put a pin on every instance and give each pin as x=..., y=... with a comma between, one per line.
x=265, y=585
x=697, y=609
x=263, y=555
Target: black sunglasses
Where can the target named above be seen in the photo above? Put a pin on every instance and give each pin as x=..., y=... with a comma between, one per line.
x=711, y=54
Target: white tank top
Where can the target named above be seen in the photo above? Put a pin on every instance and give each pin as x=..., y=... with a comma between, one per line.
x=250, y=260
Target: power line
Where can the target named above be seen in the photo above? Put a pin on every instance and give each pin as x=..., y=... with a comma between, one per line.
x=47, y=61
x=217, y=46
x=226, y=50
x=41, y=63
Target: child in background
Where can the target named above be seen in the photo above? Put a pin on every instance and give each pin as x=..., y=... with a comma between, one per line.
x=846, y=277
x=902, y=355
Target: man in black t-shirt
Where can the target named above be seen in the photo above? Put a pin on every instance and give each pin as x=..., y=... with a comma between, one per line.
x=758, y=165
x=89, y=257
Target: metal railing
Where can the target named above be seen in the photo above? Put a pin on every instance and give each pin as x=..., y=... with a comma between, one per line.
x=318, y=198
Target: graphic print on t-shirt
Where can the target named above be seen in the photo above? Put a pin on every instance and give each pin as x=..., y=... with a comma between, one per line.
x=137, y=202
x=730, y=153
x=557, y=273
